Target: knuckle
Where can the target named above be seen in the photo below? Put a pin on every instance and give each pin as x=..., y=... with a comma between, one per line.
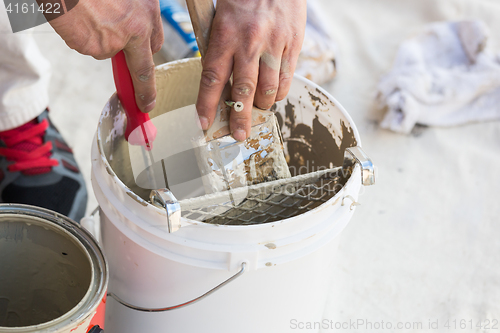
x=138, y=29
x=145, y=97
x=239, y=120
x=254, y=37
x=210, y=78
x=221, y=30
x=157, y=41
x=268, y=89
x=244, y=88
x=145, y=74
x=100, y=57
x=72, y=45
x=219, y=38
x=114, y=45
x=98, y=50
x=91, y=50
x=285, y=77
x=75, y=43
x=152, y=95
x=253, y=31
x=206, y=111
x=156, y=47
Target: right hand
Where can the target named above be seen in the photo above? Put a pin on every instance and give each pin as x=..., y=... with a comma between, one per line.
x=101, y=28
x=259, y=42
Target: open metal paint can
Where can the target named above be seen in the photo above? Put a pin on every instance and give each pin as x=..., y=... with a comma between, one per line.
x=53, y=275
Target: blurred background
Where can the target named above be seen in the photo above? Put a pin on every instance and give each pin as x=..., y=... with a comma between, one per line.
x=425, y=243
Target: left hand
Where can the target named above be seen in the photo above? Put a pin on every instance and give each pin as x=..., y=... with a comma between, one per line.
x=101, y=28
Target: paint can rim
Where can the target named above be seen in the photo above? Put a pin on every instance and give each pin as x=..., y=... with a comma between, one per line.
x=99, y=267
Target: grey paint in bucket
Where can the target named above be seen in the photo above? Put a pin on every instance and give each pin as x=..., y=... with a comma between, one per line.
x=52, y=273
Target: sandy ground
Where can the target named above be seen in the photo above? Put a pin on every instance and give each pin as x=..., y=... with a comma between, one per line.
x=424, y=246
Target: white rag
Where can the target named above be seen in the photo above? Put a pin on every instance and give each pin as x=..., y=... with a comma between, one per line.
x=442, y=77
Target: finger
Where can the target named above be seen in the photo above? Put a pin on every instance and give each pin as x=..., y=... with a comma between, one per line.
x=267, y=86
x=245, y=76
x=217, y=66
x=288, y=63
x=157, y=35
x=141, y=66
x=156, y=40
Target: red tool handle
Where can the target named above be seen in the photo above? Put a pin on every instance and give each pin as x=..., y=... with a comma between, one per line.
x=140, y=130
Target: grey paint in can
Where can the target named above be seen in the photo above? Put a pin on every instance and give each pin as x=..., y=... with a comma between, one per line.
x=53, y=275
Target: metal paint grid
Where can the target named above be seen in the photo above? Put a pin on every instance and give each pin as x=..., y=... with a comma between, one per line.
x=270, y=202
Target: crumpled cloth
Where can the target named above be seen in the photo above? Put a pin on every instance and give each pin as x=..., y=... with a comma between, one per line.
x=318, y=56
x=444, y=76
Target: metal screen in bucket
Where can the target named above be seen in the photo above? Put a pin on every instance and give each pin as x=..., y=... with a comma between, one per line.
x=257, y=204
x=266, y=202
x=269, y=202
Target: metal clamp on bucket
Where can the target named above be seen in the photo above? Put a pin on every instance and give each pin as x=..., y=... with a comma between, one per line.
x=164, y=198
x=357, y=155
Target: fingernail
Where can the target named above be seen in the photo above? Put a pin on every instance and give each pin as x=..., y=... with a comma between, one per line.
x=240, y=135
x=203, y=123
x=150, y=106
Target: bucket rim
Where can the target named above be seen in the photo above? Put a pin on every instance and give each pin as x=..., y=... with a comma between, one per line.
x=98, y=263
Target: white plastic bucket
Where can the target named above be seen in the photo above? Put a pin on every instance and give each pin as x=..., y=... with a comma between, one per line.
x=286, y=263
x=53, y=275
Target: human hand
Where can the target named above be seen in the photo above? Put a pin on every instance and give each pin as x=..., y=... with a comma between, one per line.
x=101, y=28
x=259, y=41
